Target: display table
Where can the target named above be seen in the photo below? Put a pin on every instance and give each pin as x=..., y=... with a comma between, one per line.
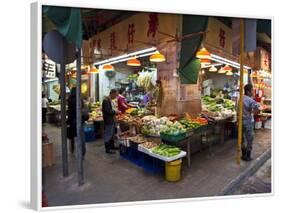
x=144, y=157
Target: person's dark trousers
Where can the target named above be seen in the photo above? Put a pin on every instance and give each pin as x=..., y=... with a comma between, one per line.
x=72, y=145
x=248, y=138
x=244, y=154
x=108, y=137
x=112, y=146
x=44, y=114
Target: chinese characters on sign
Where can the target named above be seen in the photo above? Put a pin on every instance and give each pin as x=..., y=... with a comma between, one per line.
x=49, y=68
x=99, y=44
x=222, y=38
x=131, y=32
x=265, y=60
x=152, y=24
x=113, y=41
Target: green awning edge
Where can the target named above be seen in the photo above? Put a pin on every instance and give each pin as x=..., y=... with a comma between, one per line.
x=68, y=22
x=189, y=64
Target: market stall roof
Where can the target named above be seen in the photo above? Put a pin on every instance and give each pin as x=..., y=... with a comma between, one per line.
x=189, y=64
x=93, y=20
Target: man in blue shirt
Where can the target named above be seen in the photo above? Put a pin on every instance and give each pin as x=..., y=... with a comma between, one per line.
x=249, y=107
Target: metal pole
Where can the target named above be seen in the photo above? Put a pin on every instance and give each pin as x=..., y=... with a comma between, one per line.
x=240, y=108
x=79, y=120
x=63, y=121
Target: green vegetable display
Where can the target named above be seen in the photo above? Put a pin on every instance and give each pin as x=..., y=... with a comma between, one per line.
x=141, y=112
x=166, y=150
x=173, y=128
x=218, y=104
x=189, y=125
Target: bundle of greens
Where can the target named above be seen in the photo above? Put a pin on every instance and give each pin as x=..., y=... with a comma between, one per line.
x=166, y=150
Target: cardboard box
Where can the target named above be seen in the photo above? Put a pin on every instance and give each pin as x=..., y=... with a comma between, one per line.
x=48, y=155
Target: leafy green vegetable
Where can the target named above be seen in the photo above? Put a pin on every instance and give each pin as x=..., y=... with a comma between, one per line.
x=166, y=150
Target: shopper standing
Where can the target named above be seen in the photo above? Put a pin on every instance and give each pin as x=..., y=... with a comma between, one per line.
x=71, y=121
x=250, y=106
x=45, y=103
x=109, y=121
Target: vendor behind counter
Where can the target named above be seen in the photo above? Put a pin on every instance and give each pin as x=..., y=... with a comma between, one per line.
x=123, y=105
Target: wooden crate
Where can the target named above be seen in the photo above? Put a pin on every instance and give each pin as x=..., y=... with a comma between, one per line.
x=48, y=155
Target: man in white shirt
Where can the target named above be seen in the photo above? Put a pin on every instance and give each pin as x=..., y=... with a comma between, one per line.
x=45, y=103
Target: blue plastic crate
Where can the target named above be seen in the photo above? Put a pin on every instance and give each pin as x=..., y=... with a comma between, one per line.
x=124, y=152
x=89, y=133
x=159, y=166
x=135, y=156
x=147, y=163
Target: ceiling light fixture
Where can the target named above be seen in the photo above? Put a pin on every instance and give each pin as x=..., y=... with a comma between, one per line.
x=157, y=57
x=221, y=71
x=108, y=67
x=107, y=61
x=94, y=70
x=133, y=62
x=229, y=73
x=203, y=54
x=205, y=62
x=213, y=69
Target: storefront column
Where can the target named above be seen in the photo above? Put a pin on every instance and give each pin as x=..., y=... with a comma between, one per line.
x=79, y=121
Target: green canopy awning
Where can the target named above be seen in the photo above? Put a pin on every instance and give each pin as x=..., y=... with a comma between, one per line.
x=191, y=72
x=189, y=65
x=68, y=22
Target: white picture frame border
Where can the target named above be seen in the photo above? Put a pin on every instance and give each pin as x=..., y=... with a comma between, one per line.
x=36, y=88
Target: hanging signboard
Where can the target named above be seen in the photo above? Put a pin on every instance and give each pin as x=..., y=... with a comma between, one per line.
x=264, y=60
x=137, y=32
x=219, y=35
x=49, y=68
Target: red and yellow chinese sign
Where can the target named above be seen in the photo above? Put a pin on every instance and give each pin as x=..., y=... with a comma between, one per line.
x=219, y=35
x=137, y=32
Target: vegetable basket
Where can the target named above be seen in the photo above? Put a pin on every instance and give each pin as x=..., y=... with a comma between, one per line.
x=173, y=138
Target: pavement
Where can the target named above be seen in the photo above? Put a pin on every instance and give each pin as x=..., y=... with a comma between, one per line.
x=110, y=178
x=259, y=182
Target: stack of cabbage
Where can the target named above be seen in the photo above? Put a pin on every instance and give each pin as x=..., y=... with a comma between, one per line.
x=223, y=108
x=171, y=128
x=152, y=125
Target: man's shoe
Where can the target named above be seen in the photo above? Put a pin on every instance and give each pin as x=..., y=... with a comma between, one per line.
x=114, y=148
x=248, y=156
x=109, y=152
x=244, y=154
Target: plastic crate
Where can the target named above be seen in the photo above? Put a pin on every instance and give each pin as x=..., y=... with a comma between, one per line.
x=89, y=134
x=159, y=166
x=124, y=152
x=135, y=156
x=201, y=129
x=152, y=165
x=173, y=138
x=147, y=163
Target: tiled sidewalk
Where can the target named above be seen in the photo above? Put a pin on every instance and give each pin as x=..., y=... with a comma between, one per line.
x=109, y=178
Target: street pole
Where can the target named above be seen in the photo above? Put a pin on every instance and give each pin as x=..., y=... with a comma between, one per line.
x=79, y=120
x=240, y=108
x=63, y=121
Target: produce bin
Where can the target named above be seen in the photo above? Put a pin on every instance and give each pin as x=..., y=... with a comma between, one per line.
x=173, y=138
x=135, y=156
x=173, y=170
x=148, y=164
x=124, y=151
x=89, y=133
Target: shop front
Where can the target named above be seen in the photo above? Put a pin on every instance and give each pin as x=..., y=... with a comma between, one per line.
x=166, y=119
